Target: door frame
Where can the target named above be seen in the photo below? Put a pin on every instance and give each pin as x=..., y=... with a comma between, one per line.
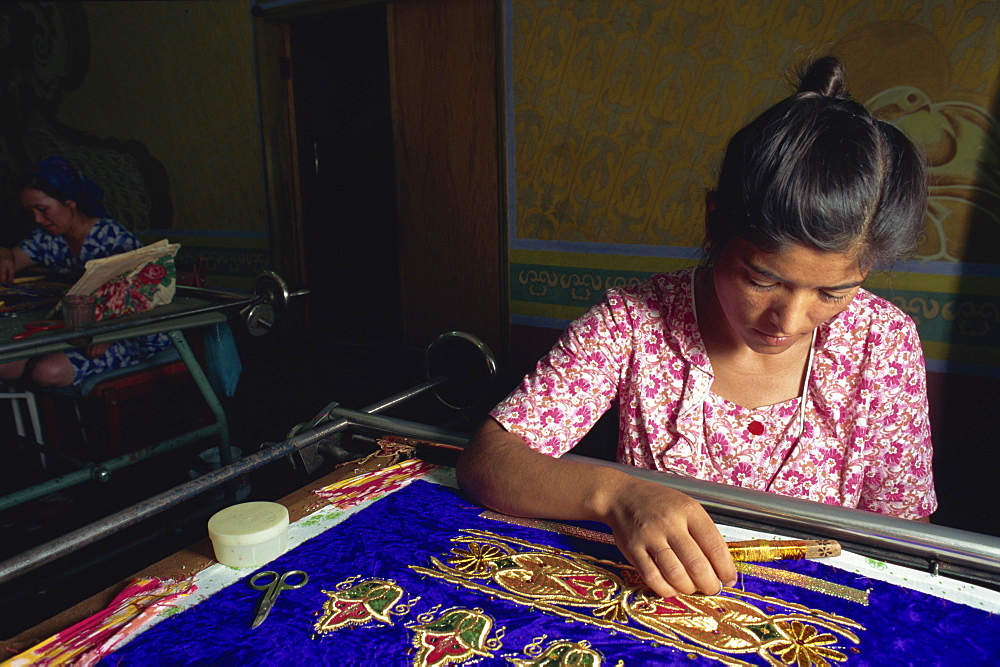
x=447, y=98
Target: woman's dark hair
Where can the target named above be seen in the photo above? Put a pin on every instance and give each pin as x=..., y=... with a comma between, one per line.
x=817, y=169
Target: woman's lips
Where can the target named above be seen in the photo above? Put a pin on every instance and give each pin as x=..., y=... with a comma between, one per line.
x=776, y=341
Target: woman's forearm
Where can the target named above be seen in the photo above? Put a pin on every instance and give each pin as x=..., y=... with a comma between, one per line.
x=500, y=471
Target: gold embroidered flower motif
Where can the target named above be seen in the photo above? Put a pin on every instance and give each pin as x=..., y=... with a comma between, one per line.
x=613, y=611
x=804, y=646
x=477, y=559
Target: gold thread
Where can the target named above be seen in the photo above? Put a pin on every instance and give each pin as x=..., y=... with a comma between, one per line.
x=804, y=581
x=762, y=551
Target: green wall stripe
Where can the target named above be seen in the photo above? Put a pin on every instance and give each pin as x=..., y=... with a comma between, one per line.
x=957, y=327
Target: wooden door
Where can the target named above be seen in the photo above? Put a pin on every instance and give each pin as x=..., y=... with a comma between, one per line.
x=451, y=243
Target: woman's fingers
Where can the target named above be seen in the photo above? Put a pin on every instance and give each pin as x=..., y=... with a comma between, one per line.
x=716, y=551
x=669, y=572
x=649, y=569
x=674, y=571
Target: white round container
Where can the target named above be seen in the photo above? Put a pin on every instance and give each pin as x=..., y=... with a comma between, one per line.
x=249, y=534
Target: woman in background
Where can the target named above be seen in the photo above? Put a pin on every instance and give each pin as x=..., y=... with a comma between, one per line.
x=73, y=228
x=768, y=367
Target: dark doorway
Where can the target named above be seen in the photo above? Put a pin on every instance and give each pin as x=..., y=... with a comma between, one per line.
x=340, y=78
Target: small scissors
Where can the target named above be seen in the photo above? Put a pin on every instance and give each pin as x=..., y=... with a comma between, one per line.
x=271, y=589
x=31, y=328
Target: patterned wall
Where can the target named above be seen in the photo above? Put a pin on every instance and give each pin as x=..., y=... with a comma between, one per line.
x=620, y=112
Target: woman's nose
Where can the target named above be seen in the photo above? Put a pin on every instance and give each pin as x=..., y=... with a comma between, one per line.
x=791, y=315
x=37, y=216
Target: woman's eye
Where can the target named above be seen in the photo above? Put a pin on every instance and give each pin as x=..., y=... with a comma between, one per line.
x=759, y=284
x=833, y=298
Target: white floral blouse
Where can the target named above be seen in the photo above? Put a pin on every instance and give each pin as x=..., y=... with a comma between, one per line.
x=862, y=438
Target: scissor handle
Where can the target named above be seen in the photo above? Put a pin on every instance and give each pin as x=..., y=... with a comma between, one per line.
x=31, y=328
x=283, y=582
x=270, y=575
x=277, y=582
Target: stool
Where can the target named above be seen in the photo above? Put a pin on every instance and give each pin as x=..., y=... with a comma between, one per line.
x=113, y=387
x=16, y=396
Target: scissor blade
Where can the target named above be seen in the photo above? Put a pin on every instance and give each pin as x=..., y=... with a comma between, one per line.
x=263, y=609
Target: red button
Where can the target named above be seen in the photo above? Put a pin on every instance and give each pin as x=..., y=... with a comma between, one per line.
x=756, y=428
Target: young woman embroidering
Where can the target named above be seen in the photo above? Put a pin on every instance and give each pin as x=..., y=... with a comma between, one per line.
x=768, y=367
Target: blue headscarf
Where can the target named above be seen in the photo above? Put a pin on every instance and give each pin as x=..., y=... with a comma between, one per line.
x=72, y=183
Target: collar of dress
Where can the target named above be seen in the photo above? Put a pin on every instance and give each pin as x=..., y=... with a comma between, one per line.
x=699, y=381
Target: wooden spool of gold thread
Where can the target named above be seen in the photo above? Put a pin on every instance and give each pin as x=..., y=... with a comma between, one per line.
x=763, y=551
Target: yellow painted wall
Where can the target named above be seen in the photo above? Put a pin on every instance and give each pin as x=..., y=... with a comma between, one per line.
x=179, y=78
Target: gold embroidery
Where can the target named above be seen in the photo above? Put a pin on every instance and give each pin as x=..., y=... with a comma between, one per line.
x=597, y=592
x=551, y=526
x=559, y=652
x=803, y=646
x=804, y=581
x=455, y=636
x=745, y=551
x=356, y=604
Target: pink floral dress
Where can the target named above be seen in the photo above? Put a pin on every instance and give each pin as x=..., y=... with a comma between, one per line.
x=859, y=436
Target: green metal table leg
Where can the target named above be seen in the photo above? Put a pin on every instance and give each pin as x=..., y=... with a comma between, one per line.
x=205, y=387
x=102, y=471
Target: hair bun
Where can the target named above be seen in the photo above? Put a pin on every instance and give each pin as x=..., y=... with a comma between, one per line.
x=824, y=76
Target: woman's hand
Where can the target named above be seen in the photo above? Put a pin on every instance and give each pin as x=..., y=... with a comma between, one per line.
x=665, y=534
x=7, y=266
x=12, y=260
x=670, y=539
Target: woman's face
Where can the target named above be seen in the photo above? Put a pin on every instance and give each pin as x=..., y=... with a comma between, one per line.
x=52, y=215
x=772, y=300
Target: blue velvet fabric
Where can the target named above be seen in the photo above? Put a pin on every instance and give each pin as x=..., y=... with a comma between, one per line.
x=418, y=523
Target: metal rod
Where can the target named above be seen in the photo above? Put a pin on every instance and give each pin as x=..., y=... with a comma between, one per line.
x=962, y=548
x=968, y=552
x=50, y=551
x=101, y=471
x=102, y=528
x=382, y=424
x=173, y=311
x=205, y=387
x=404, y=396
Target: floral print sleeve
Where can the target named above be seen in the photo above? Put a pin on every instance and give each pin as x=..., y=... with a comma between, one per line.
x=573, y=385
x=898, y=480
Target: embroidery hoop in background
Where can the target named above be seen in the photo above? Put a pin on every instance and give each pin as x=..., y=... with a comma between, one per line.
x=463, y=365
